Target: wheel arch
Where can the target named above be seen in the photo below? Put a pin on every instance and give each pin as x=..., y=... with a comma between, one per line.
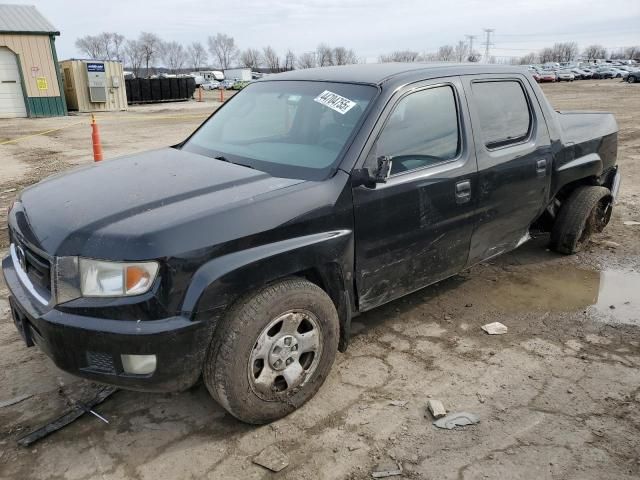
x=325, y=259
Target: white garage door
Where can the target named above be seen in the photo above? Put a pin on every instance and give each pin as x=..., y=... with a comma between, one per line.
x=11, y=98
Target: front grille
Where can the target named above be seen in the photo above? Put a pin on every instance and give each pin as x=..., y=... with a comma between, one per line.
x=100, y=362
x=38, y=269
x=36, y=266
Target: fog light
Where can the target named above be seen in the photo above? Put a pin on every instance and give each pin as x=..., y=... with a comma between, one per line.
x=139, y=364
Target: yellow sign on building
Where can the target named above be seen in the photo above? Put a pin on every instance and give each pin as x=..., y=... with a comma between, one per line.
x=42, y=83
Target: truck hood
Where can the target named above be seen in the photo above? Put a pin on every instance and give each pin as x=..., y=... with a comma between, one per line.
x=136, y=207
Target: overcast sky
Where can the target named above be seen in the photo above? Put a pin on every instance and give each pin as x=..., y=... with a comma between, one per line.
x=370, y=27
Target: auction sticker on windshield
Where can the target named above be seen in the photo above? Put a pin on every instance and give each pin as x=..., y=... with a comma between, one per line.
x=335, y=102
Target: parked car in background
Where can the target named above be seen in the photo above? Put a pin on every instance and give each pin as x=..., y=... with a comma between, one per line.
x=609, y=72
x=226, y=84
x=581, y=74
x=548, y=76
x=634, y=77
x=565, y=76
x=239, y=85
x=210, y=85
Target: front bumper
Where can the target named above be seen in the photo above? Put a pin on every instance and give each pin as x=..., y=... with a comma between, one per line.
x=92, y=347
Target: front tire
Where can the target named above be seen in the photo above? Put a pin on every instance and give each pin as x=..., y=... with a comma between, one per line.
x=272, y=351
x=585, y=212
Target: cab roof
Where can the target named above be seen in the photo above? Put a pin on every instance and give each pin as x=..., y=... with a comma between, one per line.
x=379, y=73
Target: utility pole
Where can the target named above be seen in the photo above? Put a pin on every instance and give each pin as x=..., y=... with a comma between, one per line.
x=471, y=39
x=487, y=43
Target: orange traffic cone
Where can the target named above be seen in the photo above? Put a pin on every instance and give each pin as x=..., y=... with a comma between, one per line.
x=95, y=137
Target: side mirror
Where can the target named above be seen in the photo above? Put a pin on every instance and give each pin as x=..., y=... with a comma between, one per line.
x=362, y=176
x=384, y=169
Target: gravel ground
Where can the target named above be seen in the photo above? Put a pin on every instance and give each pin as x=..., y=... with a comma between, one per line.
x=557, y=396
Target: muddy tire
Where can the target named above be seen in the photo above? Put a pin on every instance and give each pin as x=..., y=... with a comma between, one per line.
x=272, y=351
x=585, y=212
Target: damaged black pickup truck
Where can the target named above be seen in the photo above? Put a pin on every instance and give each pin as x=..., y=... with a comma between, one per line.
x=242, y=254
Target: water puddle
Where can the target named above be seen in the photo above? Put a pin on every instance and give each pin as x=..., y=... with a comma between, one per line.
x=612, y=295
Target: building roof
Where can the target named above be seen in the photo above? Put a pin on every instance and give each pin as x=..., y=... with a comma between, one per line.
x=378, y=73
x=24, y=19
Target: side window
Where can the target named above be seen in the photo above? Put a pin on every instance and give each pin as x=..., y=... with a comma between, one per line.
x=503, y=112
x=421, y=131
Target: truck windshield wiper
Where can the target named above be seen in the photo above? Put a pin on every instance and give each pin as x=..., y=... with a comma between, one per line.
x=225, y=159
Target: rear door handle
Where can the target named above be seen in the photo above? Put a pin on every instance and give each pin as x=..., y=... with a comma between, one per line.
x=541, y=167
x=463, y=191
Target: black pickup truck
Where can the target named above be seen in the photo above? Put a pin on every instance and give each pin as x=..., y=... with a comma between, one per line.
x=242, y=254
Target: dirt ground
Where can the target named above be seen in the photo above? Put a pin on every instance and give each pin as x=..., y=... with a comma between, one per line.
x=558, y=396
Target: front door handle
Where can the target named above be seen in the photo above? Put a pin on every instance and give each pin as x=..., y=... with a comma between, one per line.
x=463, y=191
x=541, y=167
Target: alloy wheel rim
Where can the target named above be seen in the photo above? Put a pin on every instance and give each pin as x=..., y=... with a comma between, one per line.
x=285, y=354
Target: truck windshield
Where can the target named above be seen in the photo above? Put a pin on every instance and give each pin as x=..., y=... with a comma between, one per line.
x=287, y=129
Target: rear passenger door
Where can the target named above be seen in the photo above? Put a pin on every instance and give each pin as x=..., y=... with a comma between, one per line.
x=514, y=161
x=415, y=229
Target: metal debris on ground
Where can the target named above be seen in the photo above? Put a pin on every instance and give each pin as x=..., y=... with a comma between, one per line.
x=481, y=398
x=76, y=412
x=13, y=401
x=384, y=471
x=629, y=223
x=495, y=328
x=271, y=458
x=398, y=403
x=436, y=408
x=458, y=419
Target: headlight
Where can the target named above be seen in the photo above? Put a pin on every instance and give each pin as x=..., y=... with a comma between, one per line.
x=115, y=279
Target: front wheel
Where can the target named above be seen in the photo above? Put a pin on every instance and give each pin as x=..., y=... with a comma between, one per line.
x=631, y=79
x=586, y=211
x=272, y=351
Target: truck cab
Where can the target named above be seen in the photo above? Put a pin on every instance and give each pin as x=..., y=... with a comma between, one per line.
x=241, y=255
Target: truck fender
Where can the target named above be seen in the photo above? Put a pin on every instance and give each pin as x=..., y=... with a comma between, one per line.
x=326, y=255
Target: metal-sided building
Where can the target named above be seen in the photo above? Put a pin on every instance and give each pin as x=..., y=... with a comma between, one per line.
x=94, y=85
x=30, y=80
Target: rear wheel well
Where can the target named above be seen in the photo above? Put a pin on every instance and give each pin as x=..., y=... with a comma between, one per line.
x=547, y=219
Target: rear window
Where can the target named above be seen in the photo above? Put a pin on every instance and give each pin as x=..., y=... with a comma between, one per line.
x=503, y=112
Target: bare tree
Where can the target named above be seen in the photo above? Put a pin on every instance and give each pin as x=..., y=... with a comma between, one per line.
x=135, y=55
x=224, y=49
x=151, y=46
x=593, y=52
x=173, y=55
x=461, y=51
x=324, y=55
x=306, y=60
x=400, y=56
x=344, y=56
x=289, y=60
x=104, y=46
x=564, y=51
x=446, y=53
x=117, y=47
x=197, y=55
x=91, y=46
x=527, y=59
x=271, y=59
x=251, y=58
x=546, y=55
x=632, y=53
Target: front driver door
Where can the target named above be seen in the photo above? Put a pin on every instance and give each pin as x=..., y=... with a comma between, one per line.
x=415, y=229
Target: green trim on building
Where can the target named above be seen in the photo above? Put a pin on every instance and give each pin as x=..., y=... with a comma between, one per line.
x=46, y=106
x=22, y=83
x=52, y=42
